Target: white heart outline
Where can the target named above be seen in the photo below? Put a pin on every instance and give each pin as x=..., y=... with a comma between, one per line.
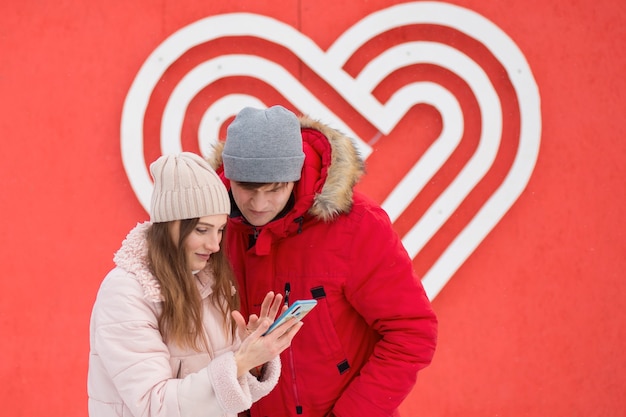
x=357, y=92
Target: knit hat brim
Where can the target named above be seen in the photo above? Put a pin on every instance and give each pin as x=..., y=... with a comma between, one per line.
x=189, y=203
x=186, y=187
x=263, y=170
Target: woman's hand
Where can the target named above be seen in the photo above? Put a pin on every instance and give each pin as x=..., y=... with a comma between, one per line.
x=269, y=308
x=257, y=349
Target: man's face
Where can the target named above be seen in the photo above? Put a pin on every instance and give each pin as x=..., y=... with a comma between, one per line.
x=260, y=205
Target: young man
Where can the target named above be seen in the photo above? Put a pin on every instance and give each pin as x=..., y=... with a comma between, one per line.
x=298, y=228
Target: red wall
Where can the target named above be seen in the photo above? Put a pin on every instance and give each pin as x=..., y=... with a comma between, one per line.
x=531, y=324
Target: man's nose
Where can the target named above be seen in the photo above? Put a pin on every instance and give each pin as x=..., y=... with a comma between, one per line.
x=257, y=203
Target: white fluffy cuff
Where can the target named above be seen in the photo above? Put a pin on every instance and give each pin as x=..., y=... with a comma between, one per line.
x=269, y=379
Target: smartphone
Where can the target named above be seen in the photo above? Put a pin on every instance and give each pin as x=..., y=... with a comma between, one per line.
x=297, y=310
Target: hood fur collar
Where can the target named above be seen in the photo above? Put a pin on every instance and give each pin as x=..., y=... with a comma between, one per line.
x=133, y=257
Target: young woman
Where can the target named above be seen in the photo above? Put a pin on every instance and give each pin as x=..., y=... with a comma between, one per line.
x=166, y=337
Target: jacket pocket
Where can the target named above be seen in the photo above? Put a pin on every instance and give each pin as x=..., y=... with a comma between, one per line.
x=323, y=327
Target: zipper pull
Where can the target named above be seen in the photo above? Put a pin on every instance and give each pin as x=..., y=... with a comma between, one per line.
x=287, y=291
x=253, y=237
x=299, y=220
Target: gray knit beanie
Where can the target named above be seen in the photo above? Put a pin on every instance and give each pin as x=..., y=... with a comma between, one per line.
x=263, y=146
x=186, y=187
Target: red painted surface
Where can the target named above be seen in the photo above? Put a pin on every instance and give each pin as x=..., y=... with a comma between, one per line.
x=533, y=322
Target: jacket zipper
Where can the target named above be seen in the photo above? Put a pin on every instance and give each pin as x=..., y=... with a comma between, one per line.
x=290, y=353
x=295, y=385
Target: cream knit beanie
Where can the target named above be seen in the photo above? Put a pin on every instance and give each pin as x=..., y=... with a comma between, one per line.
x=186, y=187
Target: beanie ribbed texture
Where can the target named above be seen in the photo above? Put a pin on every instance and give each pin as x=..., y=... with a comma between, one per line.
x=263, y=146
x=186, y=187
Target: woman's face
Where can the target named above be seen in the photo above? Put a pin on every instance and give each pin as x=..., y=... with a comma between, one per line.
x=203, y=240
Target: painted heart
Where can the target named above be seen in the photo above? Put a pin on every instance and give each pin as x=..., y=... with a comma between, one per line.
x=440, y=101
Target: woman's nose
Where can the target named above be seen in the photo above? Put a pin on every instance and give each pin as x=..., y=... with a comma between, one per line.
x=212, y=242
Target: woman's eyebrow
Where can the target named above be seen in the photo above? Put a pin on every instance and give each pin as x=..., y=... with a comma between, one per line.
x=206, y=224
x=211, y=224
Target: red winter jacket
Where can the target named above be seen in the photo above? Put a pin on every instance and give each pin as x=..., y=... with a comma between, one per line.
x=373, y=329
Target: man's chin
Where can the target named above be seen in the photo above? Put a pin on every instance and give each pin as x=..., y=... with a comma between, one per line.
x=258, y=220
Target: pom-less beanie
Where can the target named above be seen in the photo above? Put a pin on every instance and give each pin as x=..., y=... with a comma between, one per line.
x=186, y=187
x=263, y=146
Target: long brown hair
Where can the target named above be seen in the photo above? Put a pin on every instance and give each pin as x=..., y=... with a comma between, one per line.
x=181, y=318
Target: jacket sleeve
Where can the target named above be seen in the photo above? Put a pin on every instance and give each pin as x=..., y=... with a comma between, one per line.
x=133, y=354
x=231, y=395
x=259, y=388
x=386, y=292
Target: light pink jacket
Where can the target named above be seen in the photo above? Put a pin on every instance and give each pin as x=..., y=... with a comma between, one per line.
x=133, y=372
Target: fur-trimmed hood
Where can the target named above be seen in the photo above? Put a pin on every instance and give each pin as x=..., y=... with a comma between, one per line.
x=133, y=257
x=341, y=169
